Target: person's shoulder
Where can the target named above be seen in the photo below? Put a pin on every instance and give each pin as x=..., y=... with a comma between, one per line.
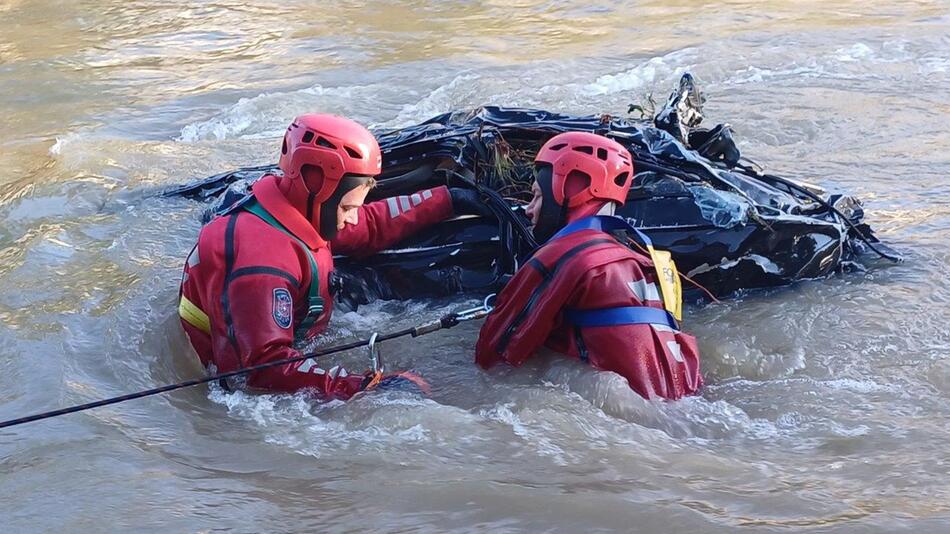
x=585, y=248
x=213, y=230
x=245, y=233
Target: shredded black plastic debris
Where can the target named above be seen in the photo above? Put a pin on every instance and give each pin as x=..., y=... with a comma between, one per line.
x=728, y=226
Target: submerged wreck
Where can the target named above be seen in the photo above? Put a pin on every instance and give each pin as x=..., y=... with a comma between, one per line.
x=728, y=226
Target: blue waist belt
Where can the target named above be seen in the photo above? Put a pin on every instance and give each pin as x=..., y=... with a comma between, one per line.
x=620, y=316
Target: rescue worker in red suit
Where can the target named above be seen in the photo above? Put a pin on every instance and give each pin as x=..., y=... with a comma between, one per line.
x=258, y=279
x=583, y=293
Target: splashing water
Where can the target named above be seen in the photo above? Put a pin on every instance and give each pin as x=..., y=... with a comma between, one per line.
x=827, y=404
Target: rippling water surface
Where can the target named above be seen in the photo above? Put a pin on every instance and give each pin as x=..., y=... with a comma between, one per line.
x=827, y=405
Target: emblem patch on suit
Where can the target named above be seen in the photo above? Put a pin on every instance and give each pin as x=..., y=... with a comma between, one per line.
x=283, y=307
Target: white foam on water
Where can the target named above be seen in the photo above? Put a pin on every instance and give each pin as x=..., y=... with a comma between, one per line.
x=314, y=428
x=693, y=417
x=843, y=63
x=267, y=114
x=855, y=52
x=382, y=314
x=63, y=143
x=753, y=74
x=649, y=74
x=857, y=386
x=374, y=421
x=459, y=93
x=57, y=147
x=536, y=437
x=933, y=65
x=768, y=355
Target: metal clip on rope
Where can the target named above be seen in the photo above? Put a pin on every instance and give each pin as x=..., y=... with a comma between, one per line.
x=478, y=312
x=453, y=319
x=374, y=355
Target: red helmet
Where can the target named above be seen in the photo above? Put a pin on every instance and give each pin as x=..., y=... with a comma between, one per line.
x=335, y=145
x=605, y=162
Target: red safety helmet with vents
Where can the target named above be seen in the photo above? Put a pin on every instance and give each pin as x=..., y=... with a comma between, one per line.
x=335, y=145
x=577, y=173
x=606, y=163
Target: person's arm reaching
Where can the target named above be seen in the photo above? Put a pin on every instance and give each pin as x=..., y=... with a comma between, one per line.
x=385, y=222
x=525, y=314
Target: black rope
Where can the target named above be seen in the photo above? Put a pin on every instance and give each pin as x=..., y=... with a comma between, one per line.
x=502, y=211
x=445, y=322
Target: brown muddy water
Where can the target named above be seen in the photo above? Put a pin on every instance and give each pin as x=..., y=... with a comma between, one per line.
x=827, y=406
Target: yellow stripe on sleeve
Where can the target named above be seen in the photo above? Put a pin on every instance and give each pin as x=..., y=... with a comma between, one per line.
x=193, y=315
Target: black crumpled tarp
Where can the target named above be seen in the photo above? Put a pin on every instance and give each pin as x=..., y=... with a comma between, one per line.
x=727, y=226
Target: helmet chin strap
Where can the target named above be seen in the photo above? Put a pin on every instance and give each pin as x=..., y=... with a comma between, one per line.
x=554, y=216
x=299, y=196
x=551, y=216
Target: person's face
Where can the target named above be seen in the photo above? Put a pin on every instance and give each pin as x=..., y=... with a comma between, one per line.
x=533, y=209
x=347, y=212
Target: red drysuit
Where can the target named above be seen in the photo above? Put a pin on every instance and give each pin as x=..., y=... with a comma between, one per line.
x=551, y=302
x=245, y=286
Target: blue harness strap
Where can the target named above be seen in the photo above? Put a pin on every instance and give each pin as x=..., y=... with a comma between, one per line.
x=604, y=223
x=620, y=316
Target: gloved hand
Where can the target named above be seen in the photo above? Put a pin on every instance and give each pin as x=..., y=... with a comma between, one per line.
x=348, y=289
x=401, y=381
x=405, y=381
x=468, y=202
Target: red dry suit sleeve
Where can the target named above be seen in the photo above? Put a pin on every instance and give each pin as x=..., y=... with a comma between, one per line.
x=521, y=320
x=386, y=222
x=258, y=338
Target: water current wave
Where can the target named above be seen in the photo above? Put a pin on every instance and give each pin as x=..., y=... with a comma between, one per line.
x=827, y=402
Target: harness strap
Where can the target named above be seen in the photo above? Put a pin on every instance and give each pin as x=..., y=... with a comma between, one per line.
x=315, y=303
x=667, y=275
x=622, y=315
x=548, y=276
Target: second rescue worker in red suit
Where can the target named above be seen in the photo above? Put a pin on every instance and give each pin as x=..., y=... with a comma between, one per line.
x=583, y=293
x=257, y=281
